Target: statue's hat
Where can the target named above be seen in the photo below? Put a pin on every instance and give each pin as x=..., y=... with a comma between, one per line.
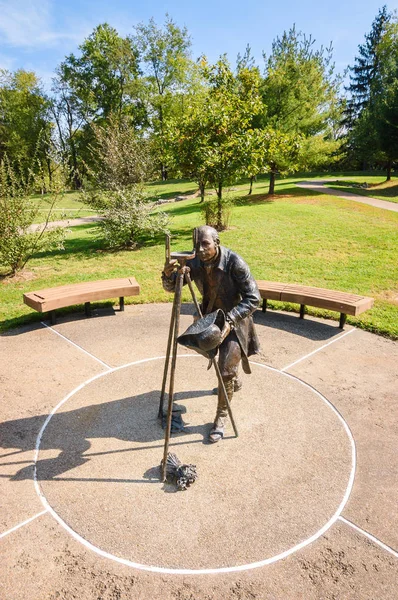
x=204, y=336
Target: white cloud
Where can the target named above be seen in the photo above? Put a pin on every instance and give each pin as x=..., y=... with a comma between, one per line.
x=29, y=23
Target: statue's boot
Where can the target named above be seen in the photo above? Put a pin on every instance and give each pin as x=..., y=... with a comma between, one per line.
x=217, y=431
x=237, y=385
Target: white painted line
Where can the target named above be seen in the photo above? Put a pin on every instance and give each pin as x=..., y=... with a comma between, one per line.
x=318, y=349
x=234, y=569
x=370, y=536
x=43, y=512
x=76, y=345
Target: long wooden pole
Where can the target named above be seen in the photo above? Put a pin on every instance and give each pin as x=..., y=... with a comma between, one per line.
x=177, y=308
x=166, y=364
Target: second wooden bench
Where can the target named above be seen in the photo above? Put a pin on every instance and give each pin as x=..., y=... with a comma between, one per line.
x=342, y=302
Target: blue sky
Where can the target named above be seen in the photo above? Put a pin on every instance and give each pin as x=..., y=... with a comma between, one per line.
x=37, y=34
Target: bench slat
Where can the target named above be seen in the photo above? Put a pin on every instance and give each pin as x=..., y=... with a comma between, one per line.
x=322, y=293
x=83, y=286
x=343, y=302
x=274, y=289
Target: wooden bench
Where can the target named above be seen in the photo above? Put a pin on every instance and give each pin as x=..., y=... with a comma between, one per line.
x=79, y=293
x=342, y=302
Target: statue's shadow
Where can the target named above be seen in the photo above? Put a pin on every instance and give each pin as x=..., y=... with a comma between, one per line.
x=132, y=419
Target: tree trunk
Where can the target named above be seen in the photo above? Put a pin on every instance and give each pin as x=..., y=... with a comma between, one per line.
x=272, y=181
x=202, y=191
x=164, y=172
x=251, y=185
x=389, y=165
x=50, y=173
x=77, y=183
x=219, y=208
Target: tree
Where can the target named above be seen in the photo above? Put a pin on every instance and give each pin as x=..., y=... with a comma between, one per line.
x=361, y=138
x=379, y=120
x=165, y=60
x=215, y=141
x=300, y=96
x=102, y=81
x=103, y=77
x=25, y=128
x=366, y=68
x=70, y=119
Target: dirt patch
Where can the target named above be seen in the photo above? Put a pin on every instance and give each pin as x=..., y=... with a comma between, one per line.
x=258, y=198
x=388, y=296
x=19, y=277
x=312, y=200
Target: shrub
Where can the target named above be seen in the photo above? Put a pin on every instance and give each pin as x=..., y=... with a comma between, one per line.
x=18, y=242
x=128, y=218
x=217, y=212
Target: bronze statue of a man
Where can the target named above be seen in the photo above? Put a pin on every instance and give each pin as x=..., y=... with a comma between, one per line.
x=224, y=280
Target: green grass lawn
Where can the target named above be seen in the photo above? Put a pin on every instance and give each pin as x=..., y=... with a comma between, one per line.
x=70, y=205
x=297, y=236
x=67, y=206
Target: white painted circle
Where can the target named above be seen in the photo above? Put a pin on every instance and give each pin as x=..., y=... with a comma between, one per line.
x=236, y=568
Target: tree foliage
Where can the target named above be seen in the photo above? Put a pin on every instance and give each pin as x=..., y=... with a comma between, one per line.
x=103, y=80
x=376, y=130
x=25, y=129
x=215, y=140
x=103, y=77
x=366, y=69
x=372, y=114
x=165, y=61
x=300, y=94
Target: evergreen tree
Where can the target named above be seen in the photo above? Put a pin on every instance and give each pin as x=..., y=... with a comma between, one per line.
x=369, y=114
x=366, y=68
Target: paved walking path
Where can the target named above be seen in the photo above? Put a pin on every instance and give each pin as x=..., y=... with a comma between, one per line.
x=320, y=186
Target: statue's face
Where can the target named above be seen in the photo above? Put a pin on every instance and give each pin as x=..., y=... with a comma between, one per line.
x=206, y=246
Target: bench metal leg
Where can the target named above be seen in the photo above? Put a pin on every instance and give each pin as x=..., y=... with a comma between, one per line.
x=264, y=309
x=343, y=318
x=302, y=309
x=53, y=317
x=121, y=303
x=87, y=309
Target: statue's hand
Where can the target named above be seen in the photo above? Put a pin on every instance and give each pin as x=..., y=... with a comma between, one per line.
x=225, y=331
x=169, y=267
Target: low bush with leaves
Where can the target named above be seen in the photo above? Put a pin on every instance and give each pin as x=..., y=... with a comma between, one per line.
x=19, y=241
x=128, y=218
x=217, y=212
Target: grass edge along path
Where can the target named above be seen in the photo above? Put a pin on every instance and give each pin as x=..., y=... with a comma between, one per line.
x=296, y=236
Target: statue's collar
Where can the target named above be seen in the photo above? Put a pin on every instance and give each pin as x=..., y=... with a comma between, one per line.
x=219, y=261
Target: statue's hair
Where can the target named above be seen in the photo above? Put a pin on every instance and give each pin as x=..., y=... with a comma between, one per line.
x=207, y=229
